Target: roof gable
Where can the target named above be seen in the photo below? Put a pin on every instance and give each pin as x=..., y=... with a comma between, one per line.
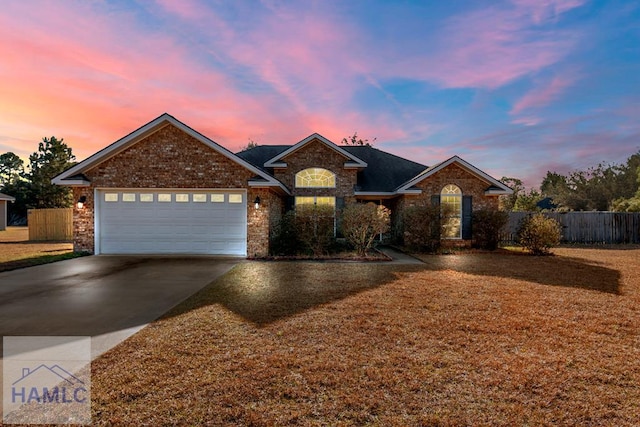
x=352, y=161
x=71, y=176
x=496, y=187
x=7, y=197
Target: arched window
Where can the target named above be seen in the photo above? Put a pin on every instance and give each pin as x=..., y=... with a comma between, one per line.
x=315, y=178
x=451, y=210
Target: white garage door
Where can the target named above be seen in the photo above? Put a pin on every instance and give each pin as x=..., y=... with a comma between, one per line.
x=171, y=222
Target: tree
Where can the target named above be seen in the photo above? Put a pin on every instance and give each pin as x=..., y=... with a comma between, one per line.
x=520, y=199
x=17, y=211
x=11, y=168
x=528, y=201
x=354, y=140
x=52, y=158
x=14, y=184
x=602, y=187
x=362, y=223
x=629, y=180
x=631, y=204
x=626, y=205
x=251, y=144
x=554, y=186
x=508, y=202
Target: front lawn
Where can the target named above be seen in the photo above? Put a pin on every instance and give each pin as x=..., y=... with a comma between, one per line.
x=16, y=251
x=471, y=339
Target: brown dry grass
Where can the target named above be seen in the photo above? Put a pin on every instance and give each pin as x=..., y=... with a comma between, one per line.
x=17, y=251
x=472, y=339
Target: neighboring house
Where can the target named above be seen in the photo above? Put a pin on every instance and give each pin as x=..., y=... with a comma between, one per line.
x=166, y=188
x=4, y=198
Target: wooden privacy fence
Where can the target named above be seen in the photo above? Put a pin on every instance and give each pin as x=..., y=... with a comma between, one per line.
x=50, y=224
x=586, y=227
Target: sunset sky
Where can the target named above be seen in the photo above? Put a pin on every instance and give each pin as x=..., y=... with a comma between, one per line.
x=515, y=87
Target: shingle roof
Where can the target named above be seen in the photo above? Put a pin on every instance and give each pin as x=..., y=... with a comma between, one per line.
x=384, y=173
x=259, y=155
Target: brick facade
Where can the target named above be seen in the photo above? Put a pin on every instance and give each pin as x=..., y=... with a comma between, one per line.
x=170, y=158
x=261, y=221
x=83, y=221
x=469, y=184
x=315, y=154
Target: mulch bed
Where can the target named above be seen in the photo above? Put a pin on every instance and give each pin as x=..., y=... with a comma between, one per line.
x=373, y=255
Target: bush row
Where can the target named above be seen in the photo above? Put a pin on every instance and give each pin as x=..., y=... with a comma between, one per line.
x=311, y=229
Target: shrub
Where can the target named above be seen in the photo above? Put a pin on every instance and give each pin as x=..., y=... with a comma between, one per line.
x=539, y=234
x=314, y=227
x=361, y=223
x=626, y=205
x=284, y=240
x=487, y=225
x=421, y=228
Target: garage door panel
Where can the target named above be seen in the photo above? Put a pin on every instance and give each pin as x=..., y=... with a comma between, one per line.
x=193, y=227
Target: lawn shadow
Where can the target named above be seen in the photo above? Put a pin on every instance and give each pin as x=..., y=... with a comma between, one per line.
x=552, y=270
x=263, y=292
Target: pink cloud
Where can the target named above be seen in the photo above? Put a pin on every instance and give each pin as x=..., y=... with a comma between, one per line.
x=278, y=76
x=545, y=10
x=493, y=46
x=185, y=9
x=305, y=57
x=74, y=83
x=526, y=121
x=541, y=96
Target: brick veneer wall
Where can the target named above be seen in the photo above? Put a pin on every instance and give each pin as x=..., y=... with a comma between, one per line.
x=454, y=174
x=261, y=221
x=83, y=225
x=317, y=154
x=170, y=158
x=469, y=184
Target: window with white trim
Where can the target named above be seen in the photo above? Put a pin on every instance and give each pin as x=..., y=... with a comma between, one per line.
x=451, y=211
x=315, y=178
x=311, y=202
x=318, y=201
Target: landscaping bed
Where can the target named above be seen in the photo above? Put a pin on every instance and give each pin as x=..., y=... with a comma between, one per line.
x=371, y=256
x=469, y=339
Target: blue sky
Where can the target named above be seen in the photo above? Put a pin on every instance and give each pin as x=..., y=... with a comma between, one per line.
x=515, y=87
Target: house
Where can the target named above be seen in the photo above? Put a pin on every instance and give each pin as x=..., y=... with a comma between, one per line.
x=165, y=188
x=4, y=198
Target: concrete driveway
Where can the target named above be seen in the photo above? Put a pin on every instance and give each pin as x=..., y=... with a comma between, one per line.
x=108, y=298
